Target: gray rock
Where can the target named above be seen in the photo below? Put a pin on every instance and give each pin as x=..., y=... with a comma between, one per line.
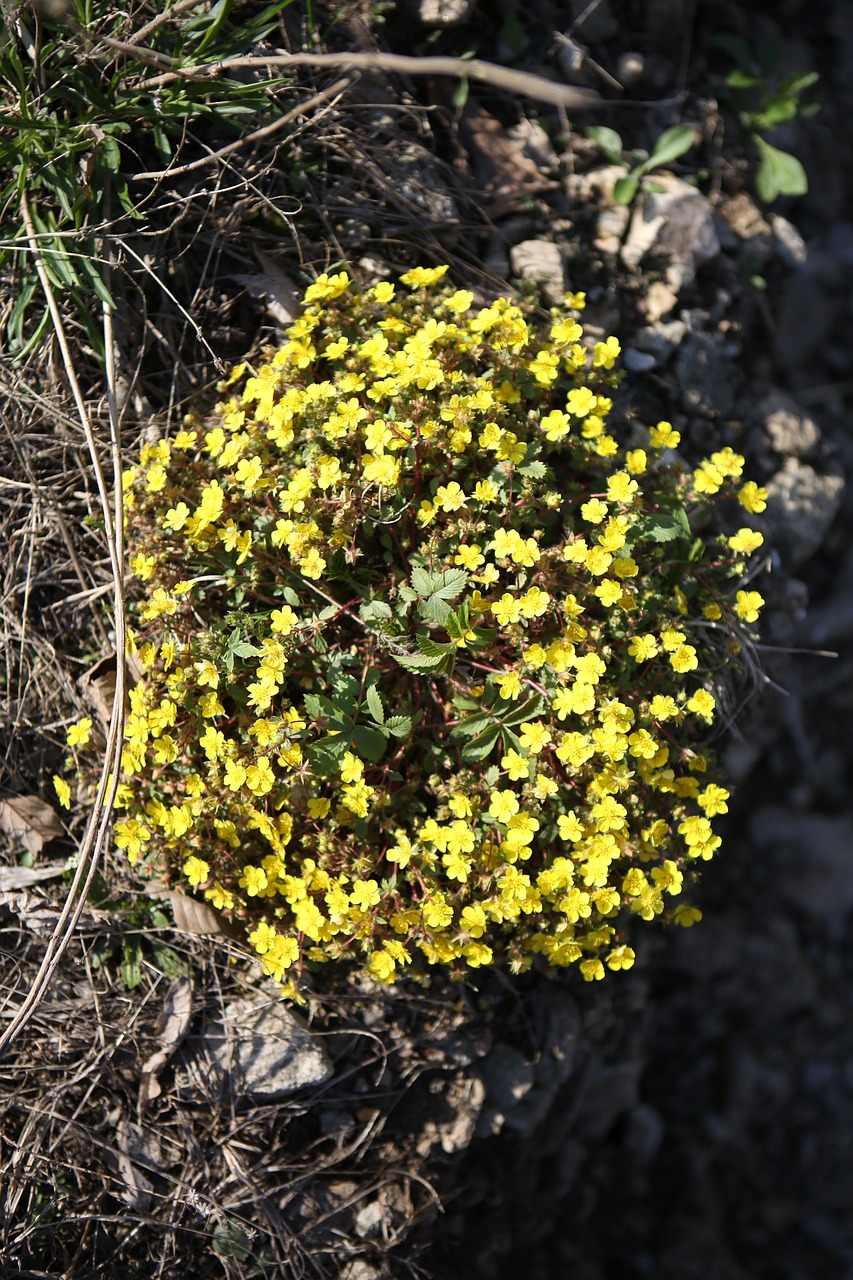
x=445, y=13
x=801, y=505
x=748, y=226
x=792, y=432
x=675, y=225
x=358, y=1269
x=420, y=181
x=819, y=883
x=610, y=227
x=463, y=1096
x=638, y=361
x=541, y=262
x=597, y=184
x=660, y=340
x=660, y=300
x=508, y=1077
x=535, y=144
x=630, y=69
x=261, y=1048
x=607, y=1092
x=705, y=375
x=790, y=244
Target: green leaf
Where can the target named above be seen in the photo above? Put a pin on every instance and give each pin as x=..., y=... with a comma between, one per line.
x=418, y=661
x=481, y=746
x=330, y=611
x=245, y=650
x=374, y=703
x=326, y=755
x=400, y=726
x=433, y=648
x=665, y=526
x=672, y=144
x=370, y=743
x=779, y=173
x=608, y=140
x=741, y=80
x=737, y=47
x=624, y=189
x=131, y=965
x=471, y=727
x=375, y=611
x=170, y=962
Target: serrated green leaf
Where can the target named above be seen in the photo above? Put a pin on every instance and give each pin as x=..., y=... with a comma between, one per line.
x=170, y=962
x=534, y=470
x=664, y=526
x=370, y=743
x=400, y=726
x=418, y=661
x=245, y=650
x=481, y=746
x=374, y=703
x=375, y=611
x=330, y=611
x=325, y=755
x=433, y=648
x=528, y=710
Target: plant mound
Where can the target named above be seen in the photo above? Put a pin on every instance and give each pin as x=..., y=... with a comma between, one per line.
x=429, y=650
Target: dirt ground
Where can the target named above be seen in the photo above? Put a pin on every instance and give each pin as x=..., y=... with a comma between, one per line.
x=691, y=1118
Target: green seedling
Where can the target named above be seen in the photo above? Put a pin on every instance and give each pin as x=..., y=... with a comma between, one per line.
x=763, y=106
x=670, y=145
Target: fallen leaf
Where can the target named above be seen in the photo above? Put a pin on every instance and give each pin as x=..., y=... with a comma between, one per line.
x=502, y=171
x=98, y=684
x=171, y=1028
x=29, y=821
x=138, y=1189
x=282, y=296
x=12, y=878
x=192, y=915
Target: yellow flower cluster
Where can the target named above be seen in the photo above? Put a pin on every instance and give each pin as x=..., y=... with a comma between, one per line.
x=429, y=650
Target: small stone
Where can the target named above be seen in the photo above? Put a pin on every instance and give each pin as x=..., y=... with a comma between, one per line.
x=801, y=505
x=638, y=361
x=661, y=340
x=534, y=143
x=819, y=879
x=445, y=13
x=675, y=225
x=419, y=180
x=368, y=1219
x=261, y=1048
x=792, y=432
x=791, y=245
x=630, y=69
x=660, y=300
x=610, y=227
x=597, y=184
x=541, y=262
x=705, y=375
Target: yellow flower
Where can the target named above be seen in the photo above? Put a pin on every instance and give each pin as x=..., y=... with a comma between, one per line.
x=63, y=791
x=196, y=870
x=748, y=604
x=78, y=734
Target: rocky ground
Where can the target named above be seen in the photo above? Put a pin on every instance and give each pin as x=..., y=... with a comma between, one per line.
x=693, y=1117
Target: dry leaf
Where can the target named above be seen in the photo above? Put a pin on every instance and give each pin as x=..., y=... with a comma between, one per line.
x=275, y=285
x=503, y=173
x=171, y=1028
x=99, y=685
x=29, y=821
x=138, y=1189
x=12, y=878
x=192, y=915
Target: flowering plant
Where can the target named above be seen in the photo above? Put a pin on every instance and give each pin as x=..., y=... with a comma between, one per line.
x=429, y=652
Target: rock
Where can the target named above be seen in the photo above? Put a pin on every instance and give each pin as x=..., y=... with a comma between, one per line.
x=261, y=1048
x=818, y=880
x=705, y=375
x=747, y=224
x=535, y=144
x=420, y=181
x=445, y=13
x=541, y=262
x=675, y=225
x=368, y=1219
x=507, y=1077
x=571, y=60
x=630, y=69
x=801, y=505
x=358, y=1269
x=660, y=300
x=792, y=432
x=607, y=1092
x=610, y=227
x=790, y=244
x=638, y=361
x=660, y=340
x=462, y=1098
x=597, y=184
